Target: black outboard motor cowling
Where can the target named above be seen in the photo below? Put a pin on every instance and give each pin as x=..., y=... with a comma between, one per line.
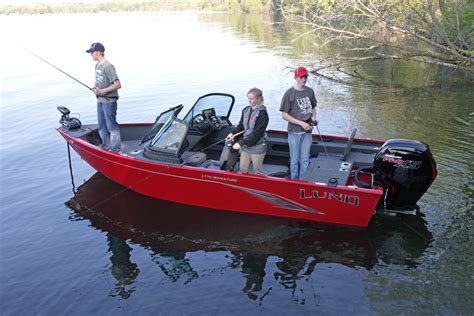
x=406, y=169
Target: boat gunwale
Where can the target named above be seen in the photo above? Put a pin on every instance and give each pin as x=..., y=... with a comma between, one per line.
x=196, y=169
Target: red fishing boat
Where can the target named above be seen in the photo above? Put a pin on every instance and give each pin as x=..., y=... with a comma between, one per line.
x=181, y=160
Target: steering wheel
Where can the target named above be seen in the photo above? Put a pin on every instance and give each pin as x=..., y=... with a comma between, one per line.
x=198, y=119
x=213, y=120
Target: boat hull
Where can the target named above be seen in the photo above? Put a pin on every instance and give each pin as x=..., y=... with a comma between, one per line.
x=230, y=191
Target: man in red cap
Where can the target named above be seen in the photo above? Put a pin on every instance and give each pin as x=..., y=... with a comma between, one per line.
x=298, y=107
x=105, y=88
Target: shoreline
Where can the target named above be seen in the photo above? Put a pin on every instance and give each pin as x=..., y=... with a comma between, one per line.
x=254, y=6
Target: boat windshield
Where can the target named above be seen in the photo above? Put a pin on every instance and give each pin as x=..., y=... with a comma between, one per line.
x=161, y=122
x=171, y=137
x=220, y=102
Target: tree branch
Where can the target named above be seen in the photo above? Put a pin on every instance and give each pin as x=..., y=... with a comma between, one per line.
x=376, y=23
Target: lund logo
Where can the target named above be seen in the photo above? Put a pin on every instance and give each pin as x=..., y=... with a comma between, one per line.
x=340, y=197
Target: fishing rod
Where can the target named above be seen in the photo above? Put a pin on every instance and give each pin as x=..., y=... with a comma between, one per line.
x=59, y=69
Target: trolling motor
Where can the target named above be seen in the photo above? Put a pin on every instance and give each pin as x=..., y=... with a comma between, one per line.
x=69, y=123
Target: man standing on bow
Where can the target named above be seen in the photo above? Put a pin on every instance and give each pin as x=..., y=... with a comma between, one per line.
x=105, y=88
x=298, y=108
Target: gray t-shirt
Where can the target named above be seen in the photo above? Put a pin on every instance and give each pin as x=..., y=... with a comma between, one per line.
x=105, y=75
x=298, y=104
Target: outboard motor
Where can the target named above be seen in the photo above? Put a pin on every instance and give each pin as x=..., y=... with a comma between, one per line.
x=406, y=169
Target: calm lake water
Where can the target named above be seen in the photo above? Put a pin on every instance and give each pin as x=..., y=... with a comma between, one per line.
x=106, y=250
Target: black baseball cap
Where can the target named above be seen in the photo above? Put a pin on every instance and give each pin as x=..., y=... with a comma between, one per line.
x=96, y=47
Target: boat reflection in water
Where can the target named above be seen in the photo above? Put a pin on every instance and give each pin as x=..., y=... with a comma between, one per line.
x=171, y=231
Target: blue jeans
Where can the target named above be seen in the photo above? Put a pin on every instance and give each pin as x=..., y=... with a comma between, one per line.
x=108, y=127
x=300, y=146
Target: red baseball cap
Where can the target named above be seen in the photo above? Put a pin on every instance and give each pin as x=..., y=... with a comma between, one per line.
x=301, y=72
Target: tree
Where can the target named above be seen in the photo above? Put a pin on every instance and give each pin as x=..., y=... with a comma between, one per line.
x=430, y=31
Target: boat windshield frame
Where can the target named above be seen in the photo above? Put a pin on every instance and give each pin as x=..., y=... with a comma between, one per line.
x=171, y=137
x=209, y=101
x=156, y=128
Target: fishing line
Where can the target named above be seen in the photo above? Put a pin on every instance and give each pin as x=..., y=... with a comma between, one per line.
x=74, y=191
x=109, y=198
x=322, y=141
x=416, y=232
x=118, y=193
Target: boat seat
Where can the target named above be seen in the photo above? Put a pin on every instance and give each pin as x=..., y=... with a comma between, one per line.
x=192, y=158
x=214, y=164
x=211, y=164
x=348, y=148
x=217, y=164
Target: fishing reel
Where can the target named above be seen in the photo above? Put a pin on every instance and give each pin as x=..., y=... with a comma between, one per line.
x=69, y=123
x=311, y=122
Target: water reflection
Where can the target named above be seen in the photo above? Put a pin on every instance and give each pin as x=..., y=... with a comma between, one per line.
x=172, y=231
x=253, y=269
x=123, y=270
x=175, y=266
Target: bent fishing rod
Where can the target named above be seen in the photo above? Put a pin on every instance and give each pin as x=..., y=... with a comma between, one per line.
x=47, y=62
